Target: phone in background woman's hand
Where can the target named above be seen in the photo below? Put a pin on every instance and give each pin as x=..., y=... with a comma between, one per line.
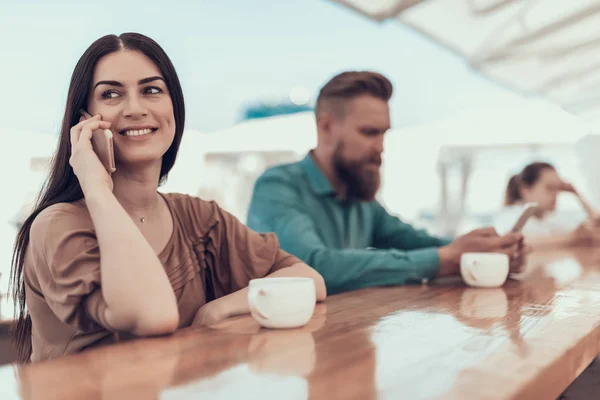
x=529, y=210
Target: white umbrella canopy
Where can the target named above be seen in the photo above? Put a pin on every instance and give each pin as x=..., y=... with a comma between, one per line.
x=530, y=123
x=545, y=47
x=293, y=132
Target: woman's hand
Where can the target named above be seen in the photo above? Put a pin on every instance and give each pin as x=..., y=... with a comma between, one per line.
x=567, y=187
x=236, y=303
x=209, y=314
x=591, y=213
x=86, y=165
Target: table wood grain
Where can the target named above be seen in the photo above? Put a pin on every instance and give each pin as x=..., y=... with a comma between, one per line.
x=529, y=339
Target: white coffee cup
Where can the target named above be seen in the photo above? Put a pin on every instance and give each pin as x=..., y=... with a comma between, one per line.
x=484, y=269
x=282, y=302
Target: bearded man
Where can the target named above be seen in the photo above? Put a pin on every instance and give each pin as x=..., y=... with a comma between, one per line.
x=323, y=208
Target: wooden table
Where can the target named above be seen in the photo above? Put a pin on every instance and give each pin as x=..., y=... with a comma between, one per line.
x=529, y=339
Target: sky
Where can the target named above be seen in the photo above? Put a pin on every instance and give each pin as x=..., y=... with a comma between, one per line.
x=229, y=54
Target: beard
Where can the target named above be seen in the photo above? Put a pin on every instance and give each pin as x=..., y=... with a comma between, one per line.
x=362, y=183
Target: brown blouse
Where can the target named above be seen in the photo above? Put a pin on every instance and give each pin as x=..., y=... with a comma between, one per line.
x=209, y=255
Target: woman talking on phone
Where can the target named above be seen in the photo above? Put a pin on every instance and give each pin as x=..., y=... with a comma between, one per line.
x=103, y=257
x=539, y=183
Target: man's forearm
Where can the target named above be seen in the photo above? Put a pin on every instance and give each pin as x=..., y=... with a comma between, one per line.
x=351, y=269
x=449, y=262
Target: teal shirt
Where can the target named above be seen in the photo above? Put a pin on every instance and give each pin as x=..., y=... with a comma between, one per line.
x=352, y=244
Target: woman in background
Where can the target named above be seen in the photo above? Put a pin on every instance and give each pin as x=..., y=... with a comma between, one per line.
x=540, y=183
x=106, y=256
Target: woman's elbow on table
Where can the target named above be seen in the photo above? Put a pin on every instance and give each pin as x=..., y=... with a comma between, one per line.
x=158, y=325
x=153, y=324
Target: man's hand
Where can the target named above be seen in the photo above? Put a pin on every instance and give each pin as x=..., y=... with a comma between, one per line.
x=484, y=240
x=519, y=258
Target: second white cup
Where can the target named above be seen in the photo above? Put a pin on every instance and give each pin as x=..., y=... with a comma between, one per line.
x=484, y=269
x=282, y=302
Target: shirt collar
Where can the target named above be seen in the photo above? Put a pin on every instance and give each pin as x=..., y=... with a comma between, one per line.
x=318, y=181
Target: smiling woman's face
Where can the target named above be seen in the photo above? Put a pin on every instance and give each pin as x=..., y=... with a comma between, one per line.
x=129, y=91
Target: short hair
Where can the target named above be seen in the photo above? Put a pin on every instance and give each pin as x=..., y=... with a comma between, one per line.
x=349, y=85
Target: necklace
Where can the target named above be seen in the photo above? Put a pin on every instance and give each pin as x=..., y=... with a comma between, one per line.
x=143, y=217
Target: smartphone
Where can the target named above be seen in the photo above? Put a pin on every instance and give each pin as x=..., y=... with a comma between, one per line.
x=529, y=210
x=102, y=143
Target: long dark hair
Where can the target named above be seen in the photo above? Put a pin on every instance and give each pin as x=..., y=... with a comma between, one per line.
x=527, y=178
x=62, y=185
